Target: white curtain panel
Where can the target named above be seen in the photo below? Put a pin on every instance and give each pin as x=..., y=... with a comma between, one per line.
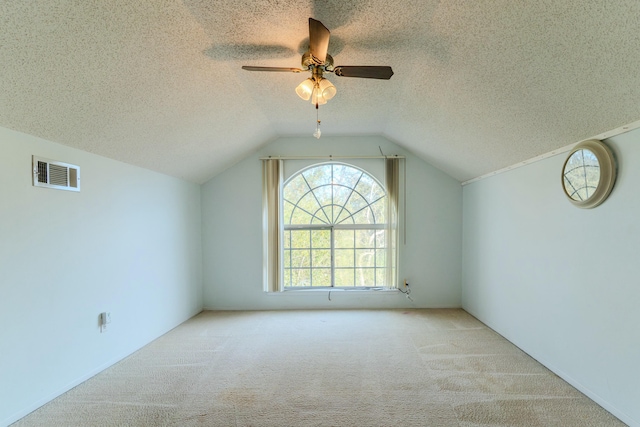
x=271, y=219
x=392, y=184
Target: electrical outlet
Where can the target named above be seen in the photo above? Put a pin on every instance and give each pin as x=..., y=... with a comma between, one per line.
x=105, y=318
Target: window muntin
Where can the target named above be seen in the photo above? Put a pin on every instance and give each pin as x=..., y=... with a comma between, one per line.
x=334, y=228
x=581, y=175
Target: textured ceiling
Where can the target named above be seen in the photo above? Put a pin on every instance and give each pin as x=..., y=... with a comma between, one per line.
x=478, y=85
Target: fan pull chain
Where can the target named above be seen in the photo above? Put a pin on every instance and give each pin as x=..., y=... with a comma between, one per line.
x=318, y=132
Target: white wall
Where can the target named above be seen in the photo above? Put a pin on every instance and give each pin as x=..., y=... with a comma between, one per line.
x=560, y=282
x=128, y=243
x=232, y=233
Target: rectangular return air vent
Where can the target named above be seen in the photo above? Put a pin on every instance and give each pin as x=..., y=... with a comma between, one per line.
x=52, y=174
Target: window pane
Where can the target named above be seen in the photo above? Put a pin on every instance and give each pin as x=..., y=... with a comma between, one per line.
x=365, y=258
x=365, y=276
x=343, y=216
x=301, y=217
x=365, y=216
x=380, y=239
x=346, y=175
x=581, y=175
x=369, y=189
x=340, y=195
x=365, y=238
x=288, y=210
x=323, y=194
x=344, y=258
x=287, y=258
x=287, y=277
x=319, y=175
x=300, y=277
x=379, y=211
x=339, y=213
x=300, y=258
x=354, y=204
x=380, y=276
x=344, y=238
x=318, y=219
x=321, y=239
x=321, y=258
x=344, y=277
x=300, y=238
x=309, y=204
x=321, y=276
x=381, y=257
x=295, y=189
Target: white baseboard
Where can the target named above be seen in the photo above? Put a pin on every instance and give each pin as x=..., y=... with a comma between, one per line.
x=29, y=409
x=26, y=411
x=586, y=391
x=616, y=412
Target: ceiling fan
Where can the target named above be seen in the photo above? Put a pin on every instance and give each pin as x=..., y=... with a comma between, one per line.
x=316, y=60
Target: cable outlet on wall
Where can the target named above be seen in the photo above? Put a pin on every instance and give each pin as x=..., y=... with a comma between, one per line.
x=406, y=290
x=105, y=318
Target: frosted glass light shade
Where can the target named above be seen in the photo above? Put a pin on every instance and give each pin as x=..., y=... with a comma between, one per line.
x=327, y=89
x=317, y=98
x=305, y=89
x=318, y=92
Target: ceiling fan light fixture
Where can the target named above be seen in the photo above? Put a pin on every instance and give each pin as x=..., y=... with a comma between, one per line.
x=306, y=89
x=318, y=61
x=317, y=98
x=327, y=89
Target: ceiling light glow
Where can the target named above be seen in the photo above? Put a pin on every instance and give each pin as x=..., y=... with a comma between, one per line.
x=318, y=91
x=305, y=89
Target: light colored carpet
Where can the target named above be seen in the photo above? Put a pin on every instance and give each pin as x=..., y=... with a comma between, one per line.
x=326, y=368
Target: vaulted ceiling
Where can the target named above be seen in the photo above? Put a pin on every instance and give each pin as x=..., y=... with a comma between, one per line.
x=478, y=85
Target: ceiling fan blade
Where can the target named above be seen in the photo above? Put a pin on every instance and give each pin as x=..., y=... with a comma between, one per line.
x=279, y=69
x=318, y=41
x=365, y=72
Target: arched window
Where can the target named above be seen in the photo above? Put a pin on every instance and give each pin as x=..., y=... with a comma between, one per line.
x=335, y=228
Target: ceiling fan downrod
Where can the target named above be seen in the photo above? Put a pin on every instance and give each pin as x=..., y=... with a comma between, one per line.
x=316, y=76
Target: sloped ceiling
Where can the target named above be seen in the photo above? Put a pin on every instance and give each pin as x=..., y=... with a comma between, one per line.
x=478, y=85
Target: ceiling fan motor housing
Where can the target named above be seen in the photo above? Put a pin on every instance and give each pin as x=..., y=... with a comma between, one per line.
x=309, y=61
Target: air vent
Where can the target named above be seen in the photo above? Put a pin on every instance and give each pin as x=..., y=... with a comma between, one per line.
x=53, y=174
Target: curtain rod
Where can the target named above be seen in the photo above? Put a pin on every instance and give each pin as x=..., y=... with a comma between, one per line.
x=329, y=157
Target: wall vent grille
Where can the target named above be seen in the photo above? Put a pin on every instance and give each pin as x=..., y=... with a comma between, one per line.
x=53, y=174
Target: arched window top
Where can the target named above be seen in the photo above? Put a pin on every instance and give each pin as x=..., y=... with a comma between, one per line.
x=333, y=194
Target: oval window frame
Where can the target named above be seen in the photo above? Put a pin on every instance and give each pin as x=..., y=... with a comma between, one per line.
x=608, y=172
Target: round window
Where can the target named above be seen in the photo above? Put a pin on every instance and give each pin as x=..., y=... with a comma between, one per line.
x=588, y=174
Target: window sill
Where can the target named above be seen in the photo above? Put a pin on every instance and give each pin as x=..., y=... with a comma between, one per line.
x=308, y=291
